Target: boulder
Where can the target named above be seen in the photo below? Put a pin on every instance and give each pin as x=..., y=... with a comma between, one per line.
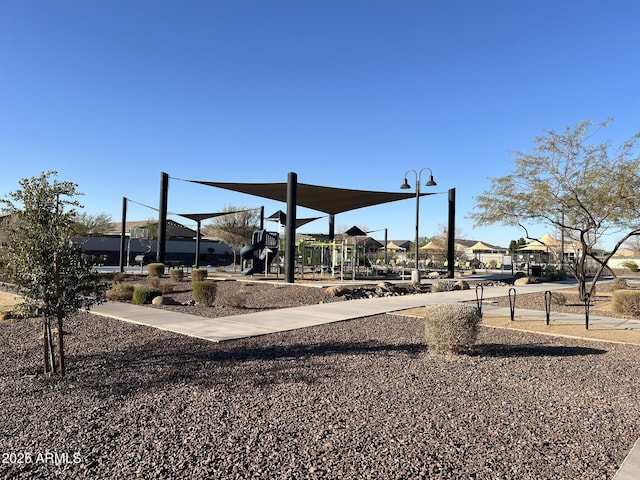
x=336, y=291
x=159, y=300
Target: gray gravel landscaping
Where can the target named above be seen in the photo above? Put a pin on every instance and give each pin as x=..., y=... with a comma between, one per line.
x=357, y=399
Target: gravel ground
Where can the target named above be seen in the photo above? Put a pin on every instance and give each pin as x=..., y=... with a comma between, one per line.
x=356, y=399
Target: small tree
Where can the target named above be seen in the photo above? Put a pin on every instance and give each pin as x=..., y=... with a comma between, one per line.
x=86, y=224
x=514, y=245
x=236, y=227
x=52, y=274
x=582, y=189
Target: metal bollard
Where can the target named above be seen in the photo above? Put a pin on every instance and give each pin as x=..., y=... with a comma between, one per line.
x=547, y=304
x=512, y=302
x=479, y=297
x=587, y=304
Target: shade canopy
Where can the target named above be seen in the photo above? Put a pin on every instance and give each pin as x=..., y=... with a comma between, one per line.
x=394, y=246
x=329, y=200
x=542, y=244
x=355, y=232
x=281, y=218
x=481, y=247
x=439, y=245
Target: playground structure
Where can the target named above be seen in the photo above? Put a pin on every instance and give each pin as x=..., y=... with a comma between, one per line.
x=332, y=257
x=263, y=249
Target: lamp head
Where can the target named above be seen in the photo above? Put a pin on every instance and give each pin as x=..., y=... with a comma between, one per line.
x=405, y=185
x=431, y=182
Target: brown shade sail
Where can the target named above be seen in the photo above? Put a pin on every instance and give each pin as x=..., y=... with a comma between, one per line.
x=329, y=200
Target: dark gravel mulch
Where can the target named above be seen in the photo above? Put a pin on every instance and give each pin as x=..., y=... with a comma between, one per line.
x=356, y=399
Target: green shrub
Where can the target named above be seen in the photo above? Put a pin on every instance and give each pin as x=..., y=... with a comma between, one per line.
x=155, y=270
x=451, y=328
x=176, y=275
x=619, y=284
x=631, y=265
x=198, y=274
x=120, y=292
x=145, y=295
x=445, y=286
x=626, y=302
x=204, y=292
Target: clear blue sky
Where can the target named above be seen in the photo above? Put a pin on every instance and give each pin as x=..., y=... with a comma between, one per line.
x=345, y=93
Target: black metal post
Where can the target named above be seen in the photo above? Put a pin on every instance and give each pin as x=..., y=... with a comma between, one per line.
x=480, y=290
x=547, y=304
x=587, y=304
x=512, y=302
x=386, y=256
x=261, y=218
x=290, y=228
x=197, y=262
x=451, y=237
x=162, y=216
x=123, y=233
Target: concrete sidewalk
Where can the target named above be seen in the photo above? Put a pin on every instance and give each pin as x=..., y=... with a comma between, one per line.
x=271, y=321
x=261, y=323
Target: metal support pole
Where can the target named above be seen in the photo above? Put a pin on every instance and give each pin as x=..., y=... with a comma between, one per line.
x=123, y=233
x=290, y=228
x=162, y=216
x=261, y=218
x=197, y=262
x=451, y=237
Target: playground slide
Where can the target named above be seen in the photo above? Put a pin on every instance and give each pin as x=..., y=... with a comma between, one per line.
x=249, y=252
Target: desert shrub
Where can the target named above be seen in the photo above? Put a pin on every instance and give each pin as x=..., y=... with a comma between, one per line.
x=238, y=299
x=626, y=302
x=155, y=270
x=631, y=265
x=444, y=286
x=619, y=284
x=120, y=292
x=198, y=274
x=145, y=295
x=176, y=275
x=451, y=328
x=204, y=292
x=166, y=287
x=558, y=298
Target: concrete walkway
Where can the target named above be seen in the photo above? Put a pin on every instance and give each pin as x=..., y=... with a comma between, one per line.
x=271, y=321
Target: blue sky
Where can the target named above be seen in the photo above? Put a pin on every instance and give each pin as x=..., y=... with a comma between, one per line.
x=345, y=93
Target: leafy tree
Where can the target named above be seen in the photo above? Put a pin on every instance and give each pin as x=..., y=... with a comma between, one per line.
x=52, y=274
x=86, y=224
x=584, y=189
x=235, y=228
x=514, y=245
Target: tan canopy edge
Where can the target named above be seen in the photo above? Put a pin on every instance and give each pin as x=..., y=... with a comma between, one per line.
x=329, y=200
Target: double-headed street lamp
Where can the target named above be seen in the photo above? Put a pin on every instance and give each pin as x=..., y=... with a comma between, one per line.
x=430, y=183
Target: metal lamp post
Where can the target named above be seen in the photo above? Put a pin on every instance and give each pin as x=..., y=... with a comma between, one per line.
x=430, y=183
